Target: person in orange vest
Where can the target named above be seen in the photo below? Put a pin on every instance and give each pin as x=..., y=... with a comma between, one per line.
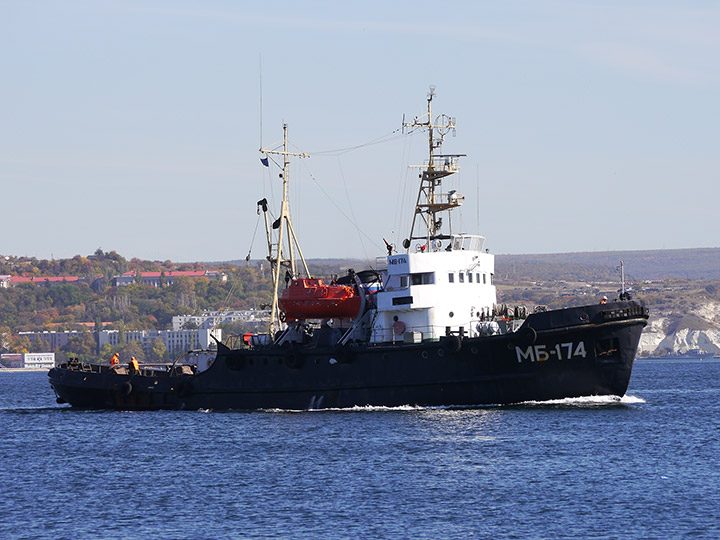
x=134, y=366
x=115, y=359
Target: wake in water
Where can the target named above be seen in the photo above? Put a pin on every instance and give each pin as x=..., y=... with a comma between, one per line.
x=356, y=408
x=585, y=402
x=578, y=402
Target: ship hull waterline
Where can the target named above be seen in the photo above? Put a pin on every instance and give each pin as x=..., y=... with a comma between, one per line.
x=551, y=357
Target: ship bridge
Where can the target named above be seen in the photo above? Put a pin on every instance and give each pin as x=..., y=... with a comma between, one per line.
x=446, y=285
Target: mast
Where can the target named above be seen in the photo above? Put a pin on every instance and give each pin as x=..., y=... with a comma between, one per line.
x=282, y=253
x=430, y=199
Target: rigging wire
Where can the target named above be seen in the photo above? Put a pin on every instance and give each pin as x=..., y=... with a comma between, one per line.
x=252, y=241
x=352, y=212
x=360, y=231
x=261, y=99
x=403, y=187
x=226, y=303
x=337, y=153
x=379, y=140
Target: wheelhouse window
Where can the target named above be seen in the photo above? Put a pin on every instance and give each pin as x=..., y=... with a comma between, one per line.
x=423, y=278
x=484, y=279
x=461, y=277
x=451, y=278
x=403, y=282
x=469, y=277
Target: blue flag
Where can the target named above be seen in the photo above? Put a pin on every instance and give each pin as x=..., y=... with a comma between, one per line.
x=264, y=161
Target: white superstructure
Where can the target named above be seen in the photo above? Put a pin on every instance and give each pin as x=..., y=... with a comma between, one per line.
x=443, y=284
x=436, y=292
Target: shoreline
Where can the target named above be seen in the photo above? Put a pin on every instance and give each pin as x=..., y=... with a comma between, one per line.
x=19, y=370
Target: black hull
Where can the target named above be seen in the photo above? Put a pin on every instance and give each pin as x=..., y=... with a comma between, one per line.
x=558, y=354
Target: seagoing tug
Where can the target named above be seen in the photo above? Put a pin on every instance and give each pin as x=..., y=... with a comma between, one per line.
x=421, y=328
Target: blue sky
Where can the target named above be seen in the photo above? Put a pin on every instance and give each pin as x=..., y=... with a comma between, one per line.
x=135, y=126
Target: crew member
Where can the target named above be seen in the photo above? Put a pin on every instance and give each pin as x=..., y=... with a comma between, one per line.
x=604, y=300
x=134, y=366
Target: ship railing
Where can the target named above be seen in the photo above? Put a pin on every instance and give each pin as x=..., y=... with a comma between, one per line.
x=183, y=365
x=445, y=163
x=411, y=334
x=473, y=328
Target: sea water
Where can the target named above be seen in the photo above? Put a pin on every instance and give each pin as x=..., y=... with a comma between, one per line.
x=644, y=466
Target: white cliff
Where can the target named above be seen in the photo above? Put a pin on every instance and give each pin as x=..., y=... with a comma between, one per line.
x=673, y=332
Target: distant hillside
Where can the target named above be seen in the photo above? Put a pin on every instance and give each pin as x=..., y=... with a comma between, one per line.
x=319, y=267
x=658, y=264
x=587, y=266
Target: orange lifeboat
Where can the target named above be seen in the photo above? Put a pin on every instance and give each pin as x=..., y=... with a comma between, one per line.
x=308, y=298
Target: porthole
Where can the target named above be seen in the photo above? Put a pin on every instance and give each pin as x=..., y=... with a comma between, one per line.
x=451, y=314
x=441, y=352
x=424, y=354
x=474, y=350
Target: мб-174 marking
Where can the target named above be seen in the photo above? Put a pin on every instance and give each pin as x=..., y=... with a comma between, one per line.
x=559, y=351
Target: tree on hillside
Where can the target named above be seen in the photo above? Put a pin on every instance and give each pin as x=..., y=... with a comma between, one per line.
x=130, y=349
x=158, y=351
x=21, y=344
x=38, y=345
x=106, y=353
x=121, y=333
x=84, y=346
x=5, y=336
x=184, y=288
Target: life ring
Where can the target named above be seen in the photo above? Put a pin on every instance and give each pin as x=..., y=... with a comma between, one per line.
x=324, y=291
x=453, y=344
x=126, y=389
x=293, y=361
x=528, y=335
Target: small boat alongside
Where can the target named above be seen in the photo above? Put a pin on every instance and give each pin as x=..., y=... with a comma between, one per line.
x=422, y=327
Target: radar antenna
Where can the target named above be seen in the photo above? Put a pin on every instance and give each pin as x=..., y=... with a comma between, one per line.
x=430, y=199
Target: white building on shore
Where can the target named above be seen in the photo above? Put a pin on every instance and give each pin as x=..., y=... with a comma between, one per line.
x=27, y=361
x=176, y=341
x=52, y=340
x=211, y=319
